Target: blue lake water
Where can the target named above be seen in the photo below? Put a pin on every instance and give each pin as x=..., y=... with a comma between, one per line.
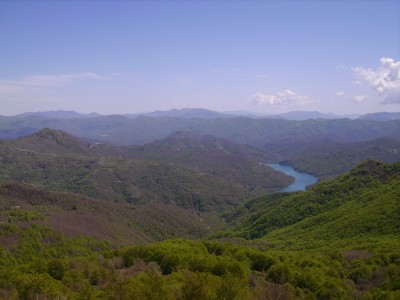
x=301, y=179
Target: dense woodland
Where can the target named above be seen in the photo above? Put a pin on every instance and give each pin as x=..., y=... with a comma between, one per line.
x=195, y=216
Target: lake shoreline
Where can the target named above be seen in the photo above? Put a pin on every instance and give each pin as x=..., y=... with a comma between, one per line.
x=302, y=179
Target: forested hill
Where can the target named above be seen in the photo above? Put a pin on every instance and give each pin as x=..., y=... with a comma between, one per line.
x=58, y=161
x=327, y=159
x=365, y=201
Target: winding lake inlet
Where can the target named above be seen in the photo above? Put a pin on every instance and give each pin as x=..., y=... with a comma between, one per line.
x=301, y=179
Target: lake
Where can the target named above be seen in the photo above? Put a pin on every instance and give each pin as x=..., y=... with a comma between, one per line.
x=301, y=179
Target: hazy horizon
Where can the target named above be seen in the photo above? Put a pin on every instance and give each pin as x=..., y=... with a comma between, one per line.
x=232, y=112
x=266, y=57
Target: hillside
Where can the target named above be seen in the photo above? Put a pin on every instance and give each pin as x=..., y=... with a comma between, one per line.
x=51, y=141
x=238, y=164
x=58, y=161
x=338, y=240
x=327, y=159
x=117, y=223
x=365, y=201
x=58, y=142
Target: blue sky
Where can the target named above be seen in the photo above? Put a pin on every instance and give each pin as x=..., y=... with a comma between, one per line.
x=261, y=56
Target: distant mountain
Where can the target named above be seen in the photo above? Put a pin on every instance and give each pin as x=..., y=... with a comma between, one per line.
x=187, y=113
x=58, y=114
x=245, y=113
x=381, y=116
x=304, y=115
x=201, y=113
x=255, y=132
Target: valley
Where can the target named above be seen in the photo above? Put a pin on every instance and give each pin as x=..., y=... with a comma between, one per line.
x=199, y=214
x=200, y=150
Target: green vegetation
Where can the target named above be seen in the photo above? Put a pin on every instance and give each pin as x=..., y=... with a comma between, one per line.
x=84, y=221
x=118, y=223
x=58, y=161
x=364, y=201
x=338, y=240
x=239, y=164
x=183, y=269
x=327, y=159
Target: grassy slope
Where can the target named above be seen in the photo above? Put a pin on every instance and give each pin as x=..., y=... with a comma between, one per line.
x=363, y=201
x=375, y=212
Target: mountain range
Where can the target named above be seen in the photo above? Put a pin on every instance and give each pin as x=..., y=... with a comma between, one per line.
x=255, y=132
x=202, y=113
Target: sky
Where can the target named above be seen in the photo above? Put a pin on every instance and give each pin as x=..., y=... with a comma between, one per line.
x=117, y=57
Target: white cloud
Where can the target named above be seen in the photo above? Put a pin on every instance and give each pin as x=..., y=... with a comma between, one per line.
x=287, y=97
x=385, y=79
x=339, y=94
x=359, y=98
x=35, y=82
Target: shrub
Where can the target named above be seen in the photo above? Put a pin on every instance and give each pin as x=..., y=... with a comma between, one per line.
x=56, y=268
x=279, y=273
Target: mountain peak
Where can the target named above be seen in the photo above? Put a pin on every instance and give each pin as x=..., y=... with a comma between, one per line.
x=188, y=113
x=52, y=141
x=57, y=136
